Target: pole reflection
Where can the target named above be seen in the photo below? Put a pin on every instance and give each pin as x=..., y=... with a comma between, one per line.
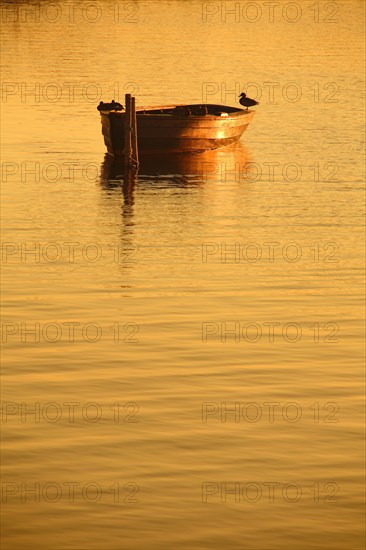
x=147, y=195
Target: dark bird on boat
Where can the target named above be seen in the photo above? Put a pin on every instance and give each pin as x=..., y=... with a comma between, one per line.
x=112, y=106
x=247, y=101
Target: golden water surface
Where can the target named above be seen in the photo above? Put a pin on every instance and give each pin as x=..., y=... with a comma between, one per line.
x=183, y=353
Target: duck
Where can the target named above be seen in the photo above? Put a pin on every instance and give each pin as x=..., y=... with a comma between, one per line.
x=247, y=101
x=112, y=106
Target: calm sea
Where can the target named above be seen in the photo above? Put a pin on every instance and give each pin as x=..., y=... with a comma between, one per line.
x=183, y=353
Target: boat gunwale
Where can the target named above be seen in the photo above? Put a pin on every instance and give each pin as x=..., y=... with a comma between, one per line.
x=141, y=111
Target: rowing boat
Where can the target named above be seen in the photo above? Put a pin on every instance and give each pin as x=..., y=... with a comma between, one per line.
x=176, y=128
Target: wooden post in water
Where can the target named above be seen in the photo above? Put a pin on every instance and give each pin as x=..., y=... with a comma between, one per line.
x=130, y=134
x=127, y=131
x=135, y=152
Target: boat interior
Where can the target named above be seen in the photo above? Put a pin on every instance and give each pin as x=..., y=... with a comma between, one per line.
x=200, y=109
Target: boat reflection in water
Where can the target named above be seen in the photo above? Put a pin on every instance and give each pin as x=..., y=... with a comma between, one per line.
x=227, y=164
x=147, y=192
